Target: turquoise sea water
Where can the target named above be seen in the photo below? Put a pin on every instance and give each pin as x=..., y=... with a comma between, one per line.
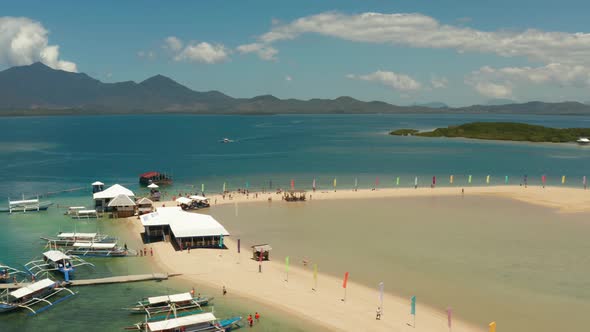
x=51, y=154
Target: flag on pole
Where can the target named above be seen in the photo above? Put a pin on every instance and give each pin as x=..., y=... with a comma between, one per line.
x=584, y=180
x=413, y=305
x=247, y=185
x=451, y=180
x=544, y=179
x=449, y=317
x=506, y=179
x=345, y=282
x=356, y=183
x=416, y=181
x=488, y=179
x=202, y=187
x=287, y=267
x=334, y=183
x=434, y=180
x=397, y=181
x=563, y=179
x=315, y=276
x=313, y=184
x=493, y=327
x=469, y=181
x=239, y=246
x=224, y=187
x=381, y=286
x=292, y=184
x=377, y=182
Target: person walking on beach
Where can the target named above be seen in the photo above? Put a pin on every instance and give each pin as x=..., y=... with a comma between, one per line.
x=145, y=251
x=257, y=316
x=224, y=290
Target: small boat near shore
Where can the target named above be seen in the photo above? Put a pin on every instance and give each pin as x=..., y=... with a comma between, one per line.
x=98, y=250
x=583, y=141
x=198, y=322
x=68, y=239
x=165, y=303
x=26, y=205
x=55, y=260
x=158, y=178
x=29, y=296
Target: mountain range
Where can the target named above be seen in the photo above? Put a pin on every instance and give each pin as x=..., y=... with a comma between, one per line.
x=37, y=89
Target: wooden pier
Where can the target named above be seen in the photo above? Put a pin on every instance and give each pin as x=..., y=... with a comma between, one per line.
x=103, y=281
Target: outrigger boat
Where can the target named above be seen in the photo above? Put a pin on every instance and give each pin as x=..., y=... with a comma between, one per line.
x=68, y=239
x=28, y=296
x=26, y=205
x=98, y=250
x=163, y=304
x=55, y=260
x=198, y=322
x=7, y=273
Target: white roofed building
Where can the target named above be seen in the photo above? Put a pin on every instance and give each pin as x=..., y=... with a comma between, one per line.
x=122, y=206
x=183, y=229
x=103, y=198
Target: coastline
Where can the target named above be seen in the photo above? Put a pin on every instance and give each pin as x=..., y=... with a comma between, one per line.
x=324, y=307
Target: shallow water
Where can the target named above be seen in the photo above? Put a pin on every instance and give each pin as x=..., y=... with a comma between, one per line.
x=490, y=259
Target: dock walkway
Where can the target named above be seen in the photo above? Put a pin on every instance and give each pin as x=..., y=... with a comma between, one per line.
x=102, y=281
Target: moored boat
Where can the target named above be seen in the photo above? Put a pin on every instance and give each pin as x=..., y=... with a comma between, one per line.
x=8, y=274
x=68, y=239
x=165, y=303
x=158, y=178
x=98, y=250
x=199, y=322
x=55, y=260
x=29, y=296
x=583, y=141
x=26, y=205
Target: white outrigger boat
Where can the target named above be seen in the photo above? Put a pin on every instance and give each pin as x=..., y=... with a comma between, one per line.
x=26, y=205
x=7, y=273
x=29, y=296
x=98, y=250
x=192, y=322
x=55, y=260
x=68, y=239
x=583, y=141
x=165, y=303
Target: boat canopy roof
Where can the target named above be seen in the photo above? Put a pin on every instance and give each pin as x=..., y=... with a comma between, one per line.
x=24, y=201
x=181, y=321
x=86, y=211
x=77, y=235
x=55, y=255
x=182, y=297
x=113, y=191
x=199, y=198
x=32, y=288
x=94, y=245
x=184, y=200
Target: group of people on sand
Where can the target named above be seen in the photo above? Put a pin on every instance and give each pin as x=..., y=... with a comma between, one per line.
x=144, y=252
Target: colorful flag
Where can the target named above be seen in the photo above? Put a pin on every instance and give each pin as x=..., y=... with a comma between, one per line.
x=544, y=179
x=506, y=179
x=488, y=179
x=584, y=180
x=397, y=181
x=469, y=181
x=292, y=184
x=356, y=183
x=433, y=180
x=413, y=305
x=449, y=316
x=247, y=185
x=345, y=280
x=377, y=182
x=224, y=187
x=313, y=184
x=202, y=187
x=334, y=183
x=563, y=179
x=451, y=180
x=381, y=286
x=416, y=181
x=493, y=327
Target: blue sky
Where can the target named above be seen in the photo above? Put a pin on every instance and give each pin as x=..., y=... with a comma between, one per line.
x=458, y=52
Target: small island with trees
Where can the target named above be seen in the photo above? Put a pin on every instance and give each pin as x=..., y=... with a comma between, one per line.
x=506, y=131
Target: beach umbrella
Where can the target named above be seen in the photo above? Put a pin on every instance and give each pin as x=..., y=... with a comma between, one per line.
x=292, y=184
x=492, y=327
x=469, y=181
x=451, y=180
x=563, y=179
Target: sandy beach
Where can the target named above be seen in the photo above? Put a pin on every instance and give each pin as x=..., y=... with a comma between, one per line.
x=324, y=306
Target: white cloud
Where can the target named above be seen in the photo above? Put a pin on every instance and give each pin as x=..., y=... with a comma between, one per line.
x=493, y=90
x=288, y=78
x=265, y=52
x=196, y=52
x=421, y=31
x=173, y=43
x=439, y=82
x=24, y=41
x=390, y=79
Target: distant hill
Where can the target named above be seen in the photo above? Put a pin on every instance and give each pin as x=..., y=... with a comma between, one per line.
x=39, y=90
x=434, y=104
x=499, y=102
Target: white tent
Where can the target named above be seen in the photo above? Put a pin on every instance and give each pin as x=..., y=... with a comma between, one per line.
x=112, y=192
x=153, y=186
x=184, y=200
x=199, y=198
